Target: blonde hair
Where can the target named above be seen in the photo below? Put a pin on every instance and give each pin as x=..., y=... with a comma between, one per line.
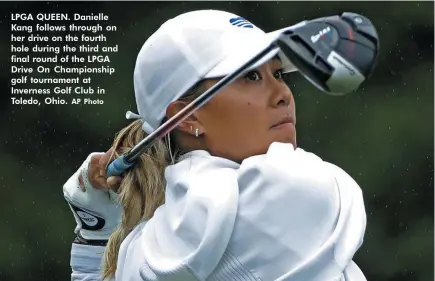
x=142, y=189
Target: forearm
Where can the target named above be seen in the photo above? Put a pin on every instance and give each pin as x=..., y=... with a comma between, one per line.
x=86, y=256
x=86, y=262
x=93, y=224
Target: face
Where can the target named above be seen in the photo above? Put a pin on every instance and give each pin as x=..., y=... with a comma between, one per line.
x=248, y=115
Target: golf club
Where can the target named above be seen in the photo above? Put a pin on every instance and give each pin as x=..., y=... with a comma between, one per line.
x=336, y=54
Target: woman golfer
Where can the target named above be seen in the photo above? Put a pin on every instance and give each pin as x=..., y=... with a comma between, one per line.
x=227, y=196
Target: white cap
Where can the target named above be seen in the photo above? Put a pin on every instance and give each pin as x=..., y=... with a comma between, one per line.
x=191, y=47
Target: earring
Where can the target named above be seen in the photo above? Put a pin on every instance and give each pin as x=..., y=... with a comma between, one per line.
x=196, y=132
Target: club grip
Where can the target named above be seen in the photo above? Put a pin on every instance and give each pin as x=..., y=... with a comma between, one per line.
x=118, y=166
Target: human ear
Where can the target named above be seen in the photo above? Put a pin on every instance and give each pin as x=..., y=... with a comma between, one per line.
x=191, y=125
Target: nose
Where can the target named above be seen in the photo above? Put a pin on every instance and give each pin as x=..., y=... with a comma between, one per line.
x=282, y=96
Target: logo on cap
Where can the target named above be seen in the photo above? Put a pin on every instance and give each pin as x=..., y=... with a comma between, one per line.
x=241, y=22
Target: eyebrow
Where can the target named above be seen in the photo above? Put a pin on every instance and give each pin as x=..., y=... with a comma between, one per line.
x=276, y=57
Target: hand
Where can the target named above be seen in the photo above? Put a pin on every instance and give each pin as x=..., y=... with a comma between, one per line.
x=95, y=206
x=97, y=173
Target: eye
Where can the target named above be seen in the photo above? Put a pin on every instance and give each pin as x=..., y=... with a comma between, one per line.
x=253, y=75
x=279, y=74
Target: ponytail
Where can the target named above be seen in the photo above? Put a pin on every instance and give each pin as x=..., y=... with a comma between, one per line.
x=141, y=192
x=142, y=189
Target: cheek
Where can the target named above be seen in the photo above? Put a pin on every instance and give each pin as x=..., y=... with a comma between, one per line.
x=232, y=119
x=293, y=105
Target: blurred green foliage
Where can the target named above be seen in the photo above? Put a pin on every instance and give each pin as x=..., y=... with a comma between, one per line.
x=382, y=134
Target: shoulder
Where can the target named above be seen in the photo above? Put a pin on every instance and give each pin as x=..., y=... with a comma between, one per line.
x=201, y=171
x=343, y=178
x=281, y=162
x=282, y=153
x=130, y=257
x=284, y=171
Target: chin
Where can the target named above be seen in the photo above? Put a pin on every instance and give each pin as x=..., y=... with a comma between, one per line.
x=291, y=140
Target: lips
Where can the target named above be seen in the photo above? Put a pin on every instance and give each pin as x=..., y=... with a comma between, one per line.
x=285, y=120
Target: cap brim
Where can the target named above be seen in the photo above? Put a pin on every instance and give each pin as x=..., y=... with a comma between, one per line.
x=244, y=50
